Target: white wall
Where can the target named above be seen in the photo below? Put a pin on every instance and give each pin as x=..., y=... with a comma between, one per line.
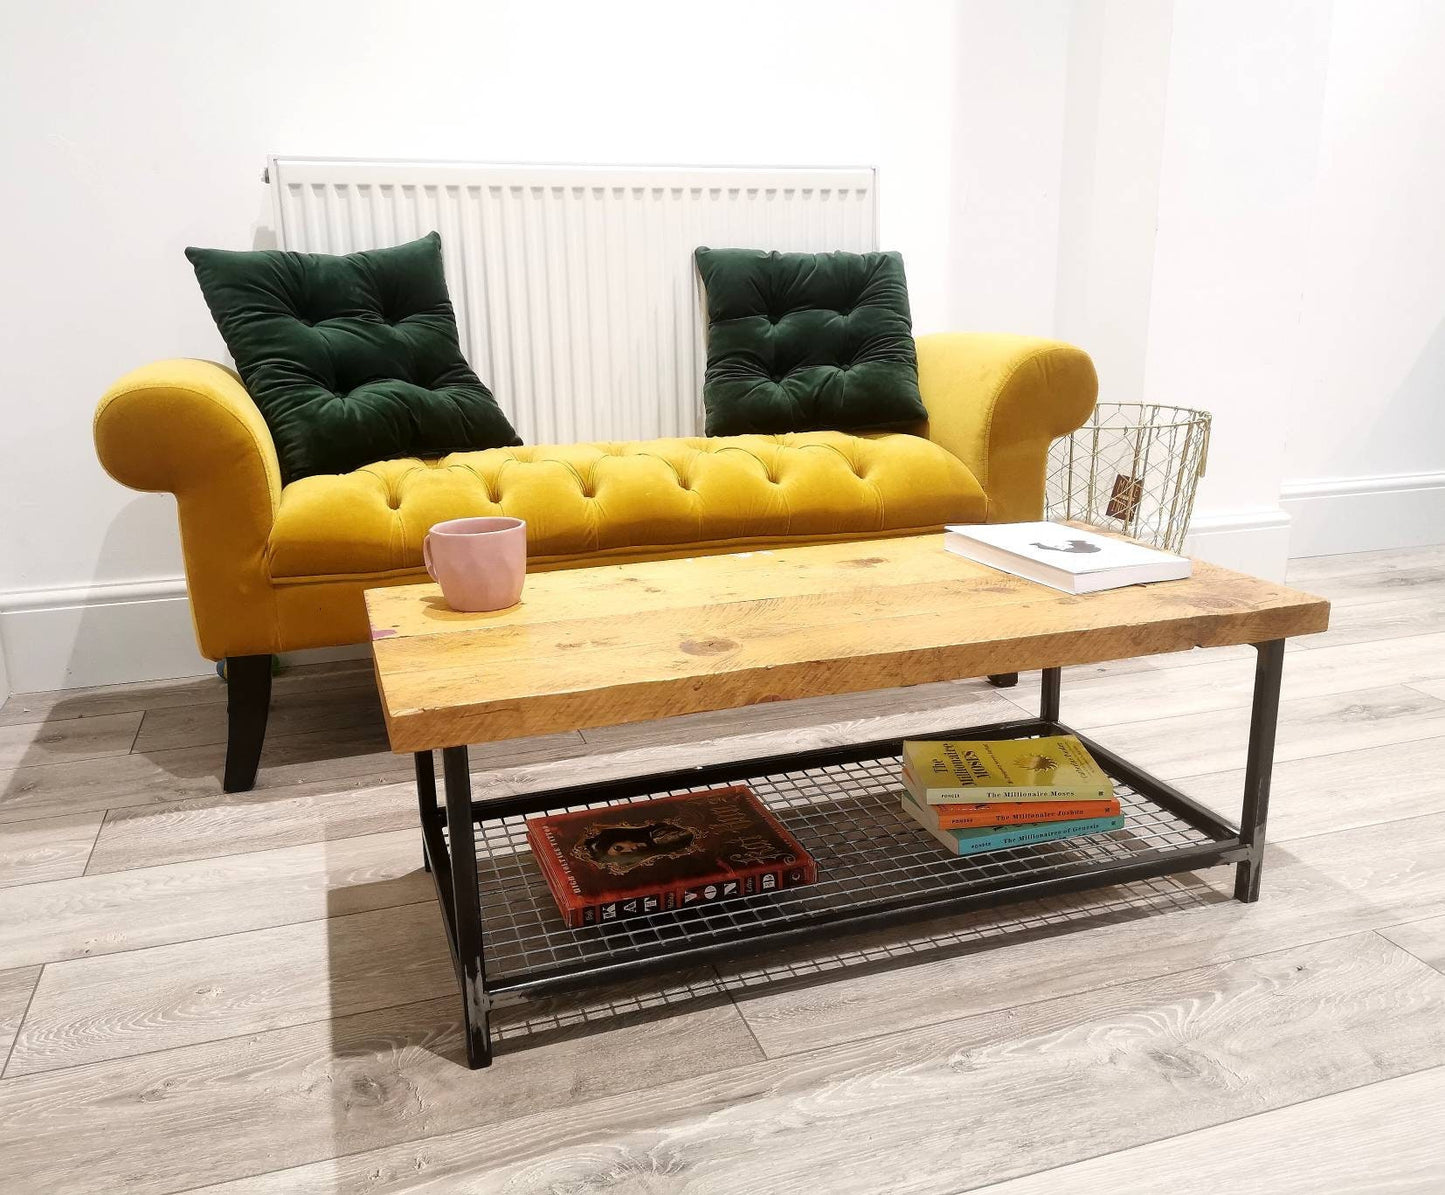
x=1011, y=72
x=1365, y=450
x=1246, y=87
x=147, y=125
x=1251, y=224
x=1232, y=205
x=1118, y=77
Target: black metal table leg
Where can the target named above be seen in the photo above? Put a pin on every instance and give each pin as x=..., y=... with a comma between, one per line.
x=426, y=799
x=466, y=907
x=1268, y=668
x=1049, y=695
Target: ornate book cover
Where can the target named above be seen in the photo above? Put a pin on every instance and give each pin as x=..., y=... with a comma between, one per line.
x=629, y=860
x=1014, y=770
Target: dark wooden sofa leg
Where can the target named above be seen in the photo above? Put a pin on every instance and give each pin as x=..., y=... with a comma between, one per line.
x=248, y=701
x=1003, y=680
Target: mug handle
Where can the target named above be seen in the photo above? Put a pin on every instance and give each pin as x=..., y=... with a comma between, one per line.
x=426, y=557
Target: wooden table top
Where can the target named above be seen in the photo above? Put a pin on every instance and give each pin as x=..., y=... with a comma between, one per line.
x=611, y=644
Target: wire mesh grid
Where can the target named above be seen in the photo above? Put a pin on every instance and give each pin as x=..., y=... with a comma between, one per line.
x=847, y=815
x=1133, y=468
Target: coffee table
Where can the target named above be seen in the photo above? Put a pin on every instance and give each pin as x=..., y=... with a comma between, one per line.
x=614, y=644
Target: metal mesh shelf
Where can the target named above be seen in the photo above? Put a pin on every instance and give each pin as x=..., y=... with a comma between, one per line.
x=847, y=815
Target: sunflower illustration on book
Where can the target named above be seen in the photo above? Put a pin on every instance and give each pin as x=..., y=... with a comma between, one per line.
x=618, y=848
x=1040, y=767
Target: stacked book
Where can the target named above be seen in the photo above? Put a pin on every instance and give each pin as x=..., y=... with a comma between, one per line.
x=643, y=857
x=991, y=795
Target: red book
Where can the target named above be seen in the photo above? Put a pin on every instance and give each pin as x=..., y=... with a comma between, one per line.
x=643, y=857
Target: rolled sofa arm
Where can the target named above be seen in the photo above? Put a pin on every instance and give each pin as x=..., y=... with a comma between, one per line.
x=189, y=428
x=997, y=402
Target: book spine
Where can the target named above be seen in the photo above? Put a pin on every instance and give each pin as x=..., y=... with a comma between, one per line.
x=1006, y=796
x=543, y=855
x=979, y=819
x=975, y=842
x=755, y=881
x=1025, y=835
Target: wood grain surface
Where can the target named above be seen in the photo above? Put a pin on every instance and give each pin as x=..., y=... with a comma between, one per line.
x=247, y=989
x=1113, y=1068
x=51, y=848
x=15, y=989
x=1314, y=890
x=127, y=910
x=629, y=643
x=1424, y=939
x=188, y=1116
x=161, y=997
x=1314, y=1148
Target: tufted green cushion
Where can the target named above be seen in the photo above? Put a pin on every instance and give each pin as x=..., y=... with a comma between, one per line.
x=351, y=359
x=807, y=342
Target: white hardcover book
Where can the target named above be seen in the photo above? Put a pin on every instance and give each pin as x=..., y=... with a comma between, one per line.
x=1064, y=557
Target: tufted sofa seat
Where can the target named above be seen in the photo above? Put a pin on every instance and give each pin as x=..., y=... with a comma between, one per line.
x=596, y=502
x=273, y=567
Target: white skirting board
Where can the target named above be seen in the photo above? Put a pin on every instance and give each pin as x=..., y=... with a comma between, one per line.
x=1255, y=541
x=98, y=635
x=106, y=635
x=1364, y=514
x=5, y=689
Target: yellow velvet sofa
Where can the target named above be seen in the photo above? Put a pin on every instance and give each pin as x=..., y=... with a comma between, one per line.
x=273, y=568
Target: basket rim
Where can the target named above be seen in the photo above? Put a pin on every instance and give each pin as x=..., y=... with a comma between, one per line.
x=1161, y=416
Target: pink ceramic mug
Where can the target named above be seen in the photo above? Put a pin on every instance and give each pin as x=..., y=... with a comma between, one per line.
x=479, y=563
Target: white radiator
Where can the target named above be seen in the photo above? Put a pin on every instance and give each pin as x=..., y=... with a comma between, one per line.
x=574, y=286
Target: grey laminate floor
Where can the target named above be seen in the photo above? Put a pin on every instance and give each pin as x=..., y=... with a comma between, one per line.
x=253, y=992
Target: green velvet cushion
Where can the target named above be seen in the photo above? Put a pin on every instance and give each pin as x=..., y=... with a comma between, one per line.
x=807, y=342
x=351, y=359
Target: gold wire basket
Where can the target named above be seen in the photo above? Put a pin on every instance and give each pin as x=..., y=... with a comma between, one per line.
x=1133, y=468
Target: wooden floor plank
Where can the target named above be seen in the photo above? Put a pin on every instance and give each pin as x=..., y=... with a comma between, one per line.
x=1358, y=1142
x=1374, y=621
x=291, y=713
x=94, y=1009
x=1424, y=939
x=64, y=704
x=15, y=989
x=1315, y=573
x=30, y=744
x=291, y=765
x=1193, y=744
x=1050, y=1082
x=1224, y=684
x=128, y=781
x=52, y=848
x=266, y=818
x=1317, y=794
x=181, y=1117
x=1313, y=889
x=181, y=902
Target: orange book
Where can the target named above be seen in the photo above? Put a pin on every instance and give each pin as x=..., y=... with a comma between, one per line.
x=1014, y=813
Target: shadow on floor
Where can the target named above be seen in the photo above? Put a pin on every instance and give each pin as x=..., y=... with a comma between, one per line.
x=523, y=1024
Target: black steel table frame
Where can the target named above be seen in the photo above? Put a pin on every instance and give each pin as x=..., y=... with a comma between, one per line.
x=449, y=851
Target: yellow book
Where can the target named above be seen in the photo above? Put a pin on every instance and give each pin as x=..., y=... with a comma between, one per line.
x=1047, y=769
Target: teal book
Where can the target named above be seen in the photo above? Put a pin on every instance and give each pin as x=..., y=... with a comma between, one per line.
x=976, y=842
